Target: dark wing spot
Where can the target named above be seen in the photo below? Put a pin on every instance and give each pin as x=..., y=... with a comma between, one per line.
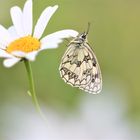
x=86, y=58
x=78, y=63
x=96, y=76
x=69, y=72
x=68, y=56
x=87, y=72
x=75, y=76
x=94, y=62
x=93, y=80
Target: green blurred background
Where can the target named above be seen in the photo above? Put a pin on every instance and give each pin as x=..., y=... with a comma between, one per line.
x=114, y=35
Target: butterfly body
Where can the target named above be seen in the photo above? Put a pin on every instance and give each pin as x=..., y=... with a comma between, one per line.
x=79, y=66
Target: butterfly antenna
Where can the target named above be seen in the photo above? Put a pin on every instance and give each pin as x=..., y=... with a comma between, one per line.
x=88, y=28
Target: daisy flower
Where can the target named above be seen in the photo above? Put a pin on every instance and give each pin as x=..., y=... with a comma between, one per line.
x=21, y=42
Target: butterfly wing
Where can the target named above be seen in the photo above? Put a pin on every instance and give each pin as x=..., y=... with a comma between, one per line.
x=95, y=84
x=72, y=68
x=79, y=68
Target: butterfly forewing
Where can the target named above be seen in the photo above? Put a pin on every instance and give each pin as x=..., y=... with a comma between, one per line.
x=79, y=67
x=72, y=68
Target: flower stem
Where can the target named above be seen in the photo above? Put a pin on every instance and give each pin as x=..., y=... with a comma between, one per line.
x=32, y=87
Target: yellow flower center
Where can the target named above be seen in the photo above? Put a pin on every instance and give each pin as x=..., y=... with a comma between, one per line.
x=25, y=44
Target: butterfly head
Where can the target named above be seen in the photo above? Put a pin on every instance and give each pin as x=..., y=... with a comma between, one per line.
x=81, y=38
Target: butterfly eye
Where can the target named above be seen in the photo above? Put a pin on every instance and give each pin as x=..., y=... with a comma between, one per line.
x=83, y=36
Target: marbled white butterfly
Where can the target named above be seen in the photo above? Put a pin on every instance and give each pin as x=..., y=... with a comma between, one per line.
x=79, y=66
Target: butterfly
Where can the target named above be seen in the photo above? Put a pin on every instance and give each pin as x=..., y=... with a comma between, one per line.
x=79, y=66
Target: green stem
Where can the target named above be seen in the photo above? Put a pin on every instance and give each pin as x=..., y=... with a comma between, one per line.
x=32, y=87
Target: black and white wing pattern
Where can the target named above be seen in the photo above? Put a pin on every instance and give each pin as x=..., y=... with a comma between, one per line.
x=79, y=68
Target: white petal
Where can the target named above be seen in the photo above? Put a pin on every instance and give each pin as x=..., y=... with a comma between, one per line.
x=43, y=21
x=31, y=56
x=2, y=46
x=13, y=33
x=5, y=54
x=52, y=40
x=5, y=37
x=19, y=54
x=27, y=18
x=10, y=62
x=16, y=15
